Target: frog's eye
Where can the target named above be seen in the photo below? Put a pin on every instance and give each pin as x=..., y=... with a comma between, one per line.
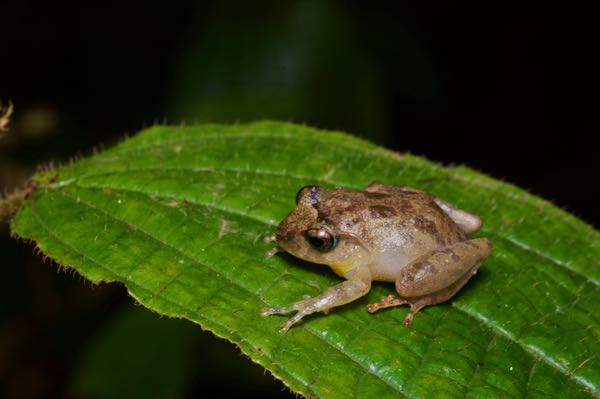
x=321, y=239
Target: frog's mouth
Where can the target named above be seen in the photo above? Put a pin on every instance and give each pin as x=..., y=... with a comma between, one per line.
x=291, y=242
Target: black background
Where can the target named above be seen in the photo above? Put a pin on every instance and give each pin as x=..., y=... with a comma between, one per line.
x=511, y=92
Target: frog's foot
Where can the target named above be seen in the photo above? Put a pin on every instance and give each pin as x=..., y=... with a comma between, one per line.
x=386, y=302
x=282, y=310
x=337, y=295
x=288, y=309
x=391, y=300
x=414, y=308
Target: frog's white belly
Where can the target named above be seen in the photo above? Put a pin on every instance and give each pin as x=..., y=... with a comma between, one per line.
x=387, y=265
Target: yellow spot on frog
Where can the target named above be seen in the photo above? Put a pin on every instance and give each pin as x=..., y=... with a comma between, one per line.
x=342, y=268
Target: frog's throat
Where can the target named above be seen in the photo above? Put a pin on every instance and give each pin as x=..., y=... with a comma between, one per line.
x=341, y=268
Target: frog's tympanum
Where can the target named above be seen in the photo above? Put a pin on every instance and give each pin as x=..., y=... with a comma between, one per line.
x=383, y=233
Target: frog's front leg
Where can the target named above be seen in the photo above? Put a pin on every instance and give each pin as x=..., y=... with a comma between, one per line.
x=358, y=283
x=437, y=276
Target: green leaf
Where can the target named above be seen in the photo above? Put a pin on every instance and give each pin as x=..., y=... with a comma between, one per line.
x=177, y=214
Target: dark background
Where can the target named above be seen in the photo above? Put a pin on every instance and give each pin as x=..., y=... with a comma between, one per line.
x=510, y=92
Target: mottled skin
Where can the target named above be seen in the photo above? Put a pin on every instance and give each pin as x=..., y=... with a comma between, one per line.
x=383, y=233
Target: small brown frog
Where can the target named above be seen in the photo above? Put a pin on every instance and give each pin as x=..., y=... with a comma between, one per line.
x=383, y=233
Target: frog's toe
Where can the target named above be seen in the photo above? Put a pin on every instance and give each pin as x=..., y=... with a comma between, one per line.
x=286, y=326
x=414, y=309
x=266, y=311
x=271, y=311
x=293, y=320
x=386, y=302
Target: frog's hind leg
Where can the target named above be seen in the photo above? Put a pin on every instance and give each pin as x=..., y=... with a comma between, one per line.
x=436, y=277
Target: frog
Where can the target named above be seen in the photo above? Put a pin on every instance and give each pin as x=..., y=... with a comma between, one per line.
x=387, y=233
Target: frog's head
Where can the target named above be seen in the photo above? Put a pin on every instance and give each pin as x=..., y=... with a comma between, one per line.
x=306, y=234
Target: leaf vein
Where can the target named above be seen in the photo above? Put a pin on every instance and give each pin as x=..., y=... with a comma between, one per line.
x=132, y=284
x=509, y=239
x=494, y=327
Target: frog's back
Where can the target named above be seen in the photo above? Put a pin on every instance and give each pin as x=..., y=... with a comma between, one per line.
x=413, y=219
x=407, y=222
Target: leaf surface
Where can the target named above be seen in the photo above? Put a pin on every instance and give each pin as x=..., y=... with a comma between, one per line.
x=178, y=215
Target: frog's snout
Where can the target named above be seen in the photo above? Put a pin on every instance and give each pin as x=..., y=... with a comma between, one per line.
x=283, y=234
x=291, y=232
x=287, y=237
